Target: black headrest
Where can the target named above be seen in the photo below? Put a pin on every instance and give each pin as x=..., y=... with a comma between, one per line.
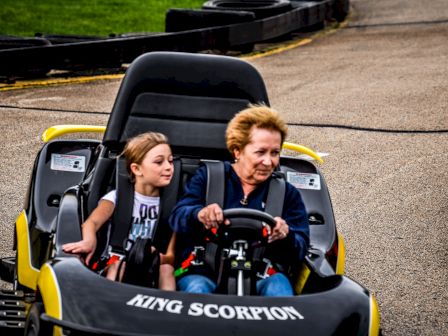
x=188, y=97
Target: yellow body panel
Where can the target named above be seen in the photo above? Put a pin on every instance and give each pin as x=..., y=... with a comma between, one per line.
x=58, y=130
x=304, y=150
x=51, y=296
x=374, y=329
x=304, y=273
x=26, y=272
x=340, y=265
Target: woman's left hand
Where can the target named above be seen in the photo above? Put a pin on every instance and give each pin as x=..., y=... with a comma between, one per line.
x=280, y=230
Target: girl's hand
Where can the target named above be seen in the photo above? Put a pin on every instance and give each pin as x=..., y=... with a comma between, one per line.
x=280, y=230
x=82, y=247
x=211, y=216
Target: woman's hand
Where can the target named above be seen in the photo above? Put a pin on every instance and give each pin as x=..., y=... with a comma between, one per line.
x=211, y=216
x=82, y=247
x=280, y=230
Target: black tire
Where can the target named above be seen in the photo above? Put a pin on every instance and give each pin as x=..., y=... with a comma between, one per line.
x=261, y=8
x=341, y=9
x=189, y=19
x=10, y=42
x=33, y=325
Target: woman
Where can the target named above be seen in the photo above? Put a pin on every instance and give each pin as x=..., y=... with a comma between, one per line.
x=254, y=137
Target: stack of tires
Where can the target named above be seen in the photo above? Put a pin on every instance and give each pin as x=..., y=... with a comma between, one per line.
x=12, y=42
x=266, y=8
x=260, y=8
x=224, y=12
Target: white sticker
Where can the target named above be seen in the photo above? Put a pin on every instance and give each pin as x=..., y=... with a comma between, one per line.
x=71, y=163
x=303, y=180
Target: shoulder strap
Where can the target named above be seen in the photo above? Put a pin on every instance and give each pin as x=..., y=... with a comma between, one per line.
x=122, y=217
x=168, y=199
x=215, y=182
x=276, y=195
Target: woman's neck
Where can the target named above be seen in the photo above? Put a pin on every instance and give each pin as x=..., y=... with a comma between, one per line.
x=246, y=184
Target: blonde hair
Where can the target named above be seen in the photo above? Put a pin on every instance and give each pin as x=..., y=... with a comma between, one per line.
x=137, y=147
x=260, y=116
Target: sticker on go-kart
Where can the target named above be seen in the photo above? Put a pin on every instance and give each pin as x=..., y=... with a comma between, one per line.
x=212, y=310
x=303, y=180
x=70, y=163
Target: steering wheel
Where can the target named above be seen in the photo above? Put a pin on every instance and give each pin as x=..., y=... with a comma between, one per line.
x=248, y=227
x=250, y=214
x=245, y=224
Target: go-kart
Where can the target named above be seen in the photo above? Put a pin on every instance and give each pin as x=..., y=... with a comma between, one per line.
x=190, y=98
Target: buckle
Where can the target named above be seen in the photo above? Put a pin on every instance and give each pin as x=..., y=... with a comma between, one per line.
x=113, y=257
x=199, y=256
x=267, y=271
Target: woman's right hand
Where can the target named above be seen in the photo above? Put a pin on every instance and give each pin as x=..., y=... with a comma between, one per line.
x=82, y=247
x=211, y=216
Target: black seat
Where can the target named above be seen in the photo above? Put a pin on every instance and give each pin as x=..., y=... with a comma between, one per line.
x=188, y=97
x=59, y=165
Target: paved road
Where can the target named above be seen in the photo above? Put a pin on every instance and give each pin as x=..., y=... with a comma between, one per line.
x=387, y=70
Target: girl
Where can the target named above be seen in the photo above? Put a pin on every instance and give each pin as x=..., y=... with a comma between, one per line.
x=150, y=165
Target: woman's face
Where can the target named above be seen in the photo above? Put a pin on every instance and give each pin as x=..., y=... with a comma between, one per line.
x=257, y=160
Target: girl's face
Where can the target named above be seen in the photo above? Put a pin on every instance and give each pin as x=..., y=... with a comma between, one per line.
x=258, y=159
x=156, y=169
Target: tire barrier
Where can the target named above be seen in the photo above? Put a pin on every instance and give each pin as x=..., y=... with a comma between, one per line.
x=260, y=8
x=187, y=31
x=340, y=9
x=188, y=19
x=11, y=42
x=62, y=39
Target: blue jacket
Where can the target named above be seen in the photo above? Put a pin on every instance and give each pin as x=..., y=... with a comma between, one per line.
x=184, y=217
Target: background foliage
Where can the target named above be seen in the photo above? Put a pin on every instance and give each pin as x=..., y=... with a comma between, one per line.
x=86, y=17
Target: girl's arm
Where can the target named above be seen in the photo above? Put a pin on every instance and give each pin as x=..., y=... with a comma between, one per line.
x=168, y=257
x=166, y=276
x=94, y=222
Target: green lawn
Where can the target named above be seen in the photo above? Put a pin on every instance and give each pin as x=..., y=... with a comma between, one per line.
x=86, y=17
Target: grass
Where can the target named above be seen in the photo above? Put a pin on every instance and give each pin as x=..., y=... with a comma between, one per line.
x=86, y=17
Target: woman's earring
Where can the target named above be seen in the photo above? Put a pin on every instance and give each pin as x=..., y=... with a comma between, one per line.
x=236, y=160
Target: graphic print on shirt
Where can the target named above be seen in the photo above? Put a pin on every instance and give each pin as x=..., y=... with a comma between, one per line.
x=144, y=223
x=144, y=214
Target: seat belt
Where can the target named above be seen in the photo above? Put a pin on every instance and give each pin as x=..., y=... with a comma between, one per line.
x=216, y=188
x=168, y=199
x=215, y=182
x=276, y=195
x=122, y=217
x=215, y=194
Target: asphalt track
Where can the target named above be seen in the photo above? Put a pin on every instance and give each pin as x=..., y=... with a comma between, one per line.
x=374, y=95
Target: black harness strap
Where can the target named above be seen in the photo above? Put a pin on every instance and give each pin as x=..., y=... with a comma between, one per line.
x=142, y=264
x=274, y=207
x=215, y=194
x=122, y=217
x=215, y=182
x=276, y=196
x=168, y=199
